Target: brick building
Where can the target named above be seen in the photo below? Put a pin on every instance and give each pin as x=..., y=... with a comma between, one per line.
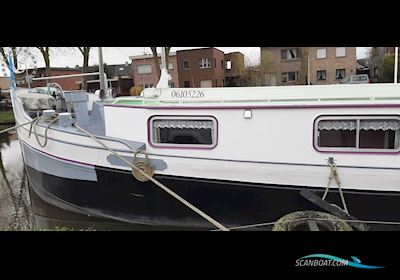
x=144, y=70
x=283, y=66
x=234, y=69
x=203, y=67
x=331, y=65
x=289, y=65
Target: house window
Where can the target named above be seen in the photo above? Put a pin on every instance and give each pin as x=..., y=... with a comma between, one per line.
x=290, y=54
x=340, y=52
x=170, y=66
x=358, y=133
x=340, y=74
x=186, y=65
x=229, y=64
x=321, y=53
x=205, y=63
x=182, y=131
x=289, y=76
x=321, y=75
x=186, y=84
x=144, y=69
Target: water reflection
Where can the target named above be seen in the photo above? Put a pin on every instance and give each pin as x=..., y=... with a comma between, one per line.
x=15, y=210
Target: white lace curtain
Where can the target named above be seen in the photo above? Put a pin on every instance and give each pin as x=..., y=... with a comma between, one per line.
x=364, y=125
x=337, y=125
x=195, y=124
x=380, y=124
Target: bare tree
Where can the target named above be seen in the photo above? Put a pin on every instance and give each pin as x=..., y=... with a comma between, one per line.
x=46, y=56
x=5, y=57
x=156, y=60
x=85, y=52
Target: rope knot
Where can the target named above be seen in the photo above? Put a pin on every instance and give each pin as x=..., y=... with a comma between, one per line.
x=144, y=165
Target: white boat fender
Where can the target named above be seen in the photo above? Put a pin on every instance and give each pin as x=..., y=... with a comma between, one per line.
x=309, y=221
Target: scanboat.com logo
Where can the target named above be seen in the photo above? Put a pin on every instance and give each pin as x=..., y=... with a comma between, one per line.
x=328, y=260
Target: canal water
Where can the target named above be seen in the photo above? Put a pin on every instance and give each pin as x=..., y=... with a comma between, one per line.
x=21, y=209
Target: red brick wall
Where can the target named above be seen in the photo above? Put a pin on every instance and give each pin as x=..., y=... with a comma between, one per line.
x=152, y=78
x=66, y=83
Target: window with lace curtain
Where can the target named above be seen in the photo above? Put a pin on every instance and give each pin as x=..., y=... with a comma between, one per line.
x=321, y=75
x=361, y=133
x=183, y=131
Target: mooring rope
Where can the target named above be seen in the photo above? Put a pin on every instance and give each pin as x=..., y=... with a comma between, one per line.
x=14, y=127
x=334, y=175
x=34, y=123
x=156, y=182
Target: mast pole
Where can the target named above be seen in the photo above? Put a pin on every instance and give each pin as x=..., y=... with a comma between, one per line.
x=103, y=83
x=396, y=62
x=165, y=77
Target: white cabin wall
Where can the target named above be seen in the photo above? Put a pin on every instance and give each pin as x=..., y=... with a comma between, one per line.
x=272, y=135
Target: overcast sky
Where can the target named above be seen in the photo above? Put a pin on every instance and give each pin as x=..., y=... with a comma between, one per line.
x=64, y=57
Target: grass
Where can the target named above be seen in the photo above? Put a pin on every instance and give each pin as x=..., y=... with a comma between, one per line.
x=6, y=117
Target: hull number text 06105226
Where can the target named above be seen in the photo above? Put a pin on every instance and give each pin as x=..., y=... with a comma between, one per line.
x=187, y=94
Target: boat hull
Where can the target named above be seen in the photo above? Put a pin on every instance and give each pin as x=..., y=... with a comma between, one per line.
x=118, y=195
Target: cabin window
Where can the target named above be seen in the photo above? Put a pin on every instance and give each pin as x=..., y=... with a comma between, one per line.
x=178, y=131
x=363, y=134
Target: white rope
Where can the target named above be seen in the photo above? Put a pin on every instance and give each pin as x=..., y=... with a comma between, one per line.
x=34, y=123
x=14, y=127
x=157, y=183
x=334, y=175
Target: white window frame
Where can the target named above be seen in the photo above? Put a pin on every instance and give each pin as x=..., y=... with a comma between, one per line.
x=340, y=52
x=214, y=135
x=205, y=63
x=321, y=53
x=355, y=149
x=141, y=72
x=286, y=74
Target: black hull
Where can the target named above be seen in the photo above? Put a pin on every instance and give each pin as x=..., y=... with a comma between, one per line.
x=117, y=195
